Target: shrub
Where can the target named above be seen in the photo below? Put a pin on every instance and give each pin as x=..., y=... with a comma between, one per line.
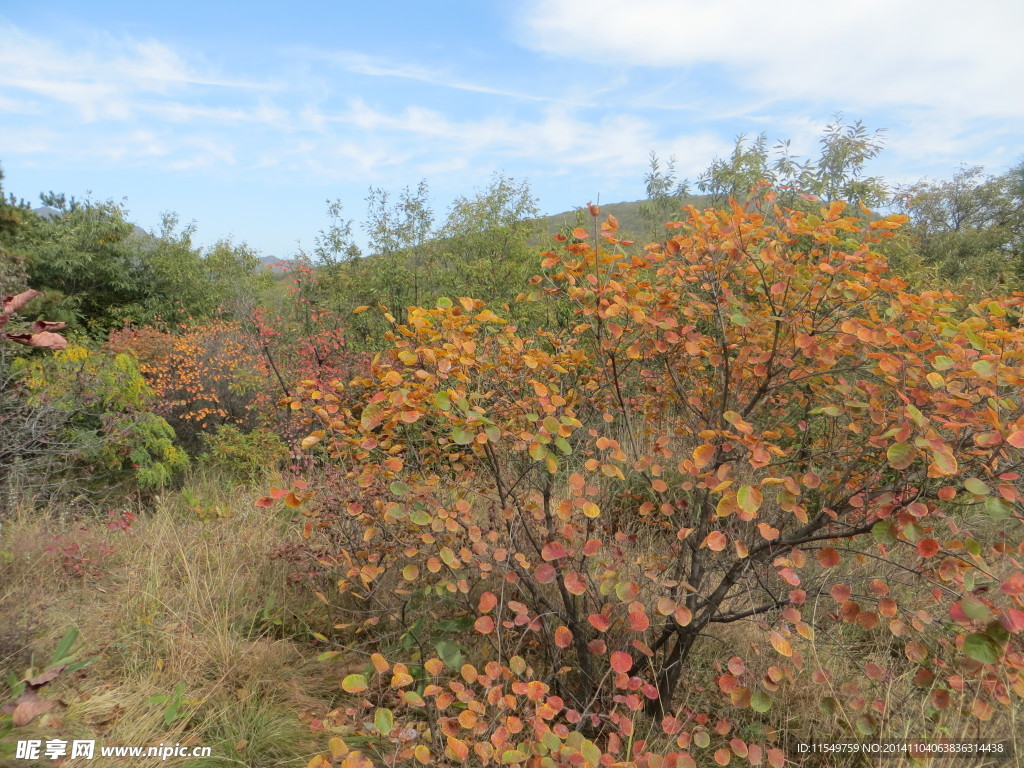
x=243, y=455
x=741, y=418
x=108, y=432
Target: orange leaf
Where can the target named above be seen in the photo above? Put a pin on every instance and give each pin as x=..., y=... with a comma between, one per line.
x=487, y=602
x=575, y=583
x=716, y=541
x=927, y=547
x=638, y=620
x=563, y=637
x=780, y=644
x=828, y=557
x=703, y=454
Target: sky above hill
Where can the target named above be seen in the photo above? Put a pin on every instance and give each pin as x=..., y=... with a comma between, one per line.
x=247, y=117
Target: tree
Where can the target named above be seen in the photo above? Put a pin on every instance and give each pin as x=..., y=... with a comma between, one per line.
x=665, y=195
x=837, y=173
x=751, y=423
x=335, y=244
x=969, y=229
x=13, y=277
x=399, y=235
x=486, y=241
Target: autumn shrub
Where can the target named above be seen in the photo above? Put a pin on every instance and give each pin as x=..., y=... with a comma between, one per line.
x=803, y=443
x=205, y=375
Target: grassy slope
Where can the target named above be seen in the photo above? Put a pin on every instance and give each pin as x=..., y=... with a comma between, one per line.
x=172, y=600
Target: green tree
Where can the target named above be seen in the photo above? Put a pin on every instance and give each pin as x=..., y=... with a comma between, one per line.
x=487, y=241
x=400, y=233
x=838, y=173
x=665, y=196
x=13, y=277
x=970, y=229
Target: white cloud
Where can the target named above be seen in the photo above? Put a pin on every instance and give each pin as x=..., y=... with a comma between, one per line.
x=100, y=76
x=929, y=53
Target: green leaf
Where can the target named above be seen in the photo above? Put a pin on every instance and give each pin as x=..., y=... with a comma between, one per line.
x=563, y=445
x=419, y=517
x=399, y=489
x=64, y=646
x=461, y=624
x=976, y=486
x=981, y=648
x=442, y=401
x=974, y=608
x=449, y=653
x=884, y=532
x=354, y=684
x=462, y=436
x=760, y=702
x=591, y=752
x=984, y=368
x=943, y=363
x=512, y=756
x=900, y=455
x=444, y=303
x=997, y=507
x=999, y=634
x=384, y=721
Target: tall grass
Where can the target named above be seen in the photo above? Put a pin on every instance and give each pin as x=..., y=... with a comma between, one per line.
x=174, y=603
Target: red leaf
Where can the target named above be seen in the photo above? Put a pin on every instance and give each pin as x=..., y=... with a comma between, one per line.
x=575, y=583
x=484, y=625
x=840, y=592
x=40, y=340
x=621, y=662
x=13, y=304
x=927, y=547
x=553, y=550
x=27, y=711
x=545, y=573
x=599, y=622
x=638, y=619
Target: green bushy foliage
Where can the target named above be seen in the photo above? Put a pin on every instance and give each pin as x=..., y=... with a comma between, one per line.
x=243, y=454
x=108, y=431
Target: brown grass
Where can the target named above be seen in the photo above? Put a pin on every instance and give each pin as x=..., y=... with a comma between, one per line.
x=172, y=600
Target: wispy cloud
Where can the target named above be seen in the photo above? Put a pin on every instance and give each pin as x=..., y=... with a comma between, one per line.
x=591, y=88
x=936, y=54
x=103, y=76
x=362, y=64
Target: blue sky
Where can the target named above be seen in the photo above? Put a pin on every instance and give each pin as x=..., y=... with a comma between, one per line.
x=246, y=117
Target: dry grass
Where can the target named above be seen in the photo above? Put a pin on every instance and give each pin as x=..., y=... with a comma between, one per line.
x=173, y=600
